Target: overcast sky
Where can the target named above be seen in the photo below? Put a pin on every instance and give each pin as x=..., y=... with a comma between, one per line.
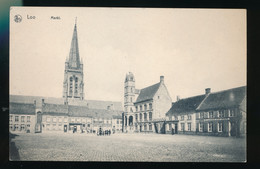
x=193, y=48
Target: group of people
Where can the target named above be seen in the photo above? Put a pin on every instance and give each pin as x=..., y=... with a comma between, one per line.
x=103, y=132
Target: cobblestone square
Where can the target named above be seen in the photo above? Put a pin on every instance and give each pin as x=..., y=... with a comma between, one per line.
x=128, y=147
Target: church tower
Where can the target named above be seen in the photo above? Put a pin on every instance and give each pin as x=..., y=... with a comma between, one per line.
x=129, y=99
x=73, y=84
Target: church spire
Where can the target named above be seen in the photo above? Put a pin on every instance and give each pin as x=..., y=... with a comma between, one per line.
x=74, y=60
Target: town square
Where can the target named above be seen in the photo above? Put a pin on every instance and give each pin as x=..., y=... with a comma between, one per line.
x=80, y=92
x=128, y=147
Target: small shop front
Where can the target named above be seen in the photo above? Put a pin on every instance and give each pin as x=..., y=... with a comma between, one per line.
x=74, y=128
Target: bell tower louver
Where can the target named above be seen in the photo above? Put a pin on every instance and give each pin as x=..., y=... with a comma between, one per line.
x=73, y=84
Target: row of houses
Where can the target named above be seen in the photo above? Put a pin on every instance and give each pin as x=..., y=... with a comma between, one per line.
x=30, y=114
x=151, y=109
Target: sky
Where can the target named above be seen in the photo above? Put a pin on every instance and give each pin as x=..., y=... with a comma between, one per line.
x=193, y=49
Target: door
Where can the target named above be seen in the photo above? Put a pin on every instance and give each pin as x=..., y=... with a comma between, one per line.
x=176, y=129
x=233, y=131
x=65, y=128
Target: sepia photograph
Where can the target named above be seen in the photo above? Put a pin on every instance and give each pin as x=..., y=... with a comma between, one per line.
x=92, y=84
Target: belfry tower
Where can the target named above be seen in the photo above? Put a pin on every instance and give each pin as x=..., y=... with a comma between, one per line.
x=73, y=85
x=129, y=99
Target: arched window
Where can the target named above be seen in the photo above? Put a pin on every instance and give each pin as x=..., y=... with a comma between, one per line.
x=140, y=117
x=76, y=86
x=150, y=106
x=71, y=85
x=145, y=107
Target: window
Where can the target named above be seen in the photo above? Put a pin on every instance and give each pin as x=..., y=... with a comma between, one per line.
x=136, y=117
x=11, y=127
x=200, y=127
x=211, y=114
x=189, y=117
x=60, y=119
x=189, y=126
x=76, y=86
x=136, y=108
x=28, y=126
x=16, y=118
x=182, y=126
x=150, y=127
x=131, y=99
x=140, y=117
x=150, y=106
x=221, y=113
x=231, y=113
x=201, y=115
x=22, y=118
x=210, y=127
x=88, y=125
x=117, y=121
x=220, y=127
x=145, y=107
x=150, y=116
x=182, y=117
x=145, y=116
x=22, y=127
x=141, y=108
x=145, y=127
x=176, y=117
x=16, y=127
x=70, y=88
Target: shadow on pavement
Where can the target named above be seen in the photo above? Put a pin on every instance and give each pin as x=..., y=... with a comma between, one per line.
x=13, y=150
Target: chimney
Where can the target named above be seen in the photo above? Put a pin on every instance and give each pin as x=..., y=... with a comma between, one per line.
x=207, y=91
x=43, y=102
x=178, y=98
x=161, y=79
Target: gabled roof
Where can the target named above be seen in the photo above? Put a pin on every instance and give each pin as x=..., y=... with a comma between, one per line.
x=148, y=93
x=186, y=105
x=55, y=108
x=21, y=108
x=79, y=111
x=224, y=99
x=92, y=104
